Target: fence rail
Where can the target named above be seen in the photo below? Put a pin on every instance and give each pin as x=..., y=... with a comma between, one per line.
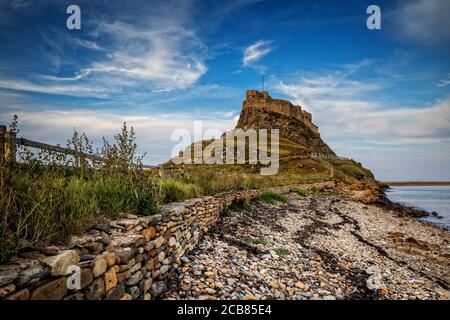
x=49, y=147
x=9, y=143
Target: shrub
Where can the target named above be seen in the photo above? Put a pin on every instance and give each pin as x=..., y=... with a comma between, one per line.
x=271, y=197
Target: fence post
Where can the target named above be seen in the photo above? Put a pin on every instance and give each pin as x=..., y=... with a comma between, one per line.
x=10, y=146
x=2, y=142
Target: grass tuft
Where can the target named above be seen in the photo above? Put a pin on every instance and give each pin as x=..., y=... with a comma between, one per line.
x=271, y=197
x=300, y=191
x=174, y=190
x=281, y=251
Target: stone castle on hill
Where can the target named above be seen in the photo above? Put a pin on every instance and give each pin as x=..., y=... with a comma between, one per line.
x=262, y=101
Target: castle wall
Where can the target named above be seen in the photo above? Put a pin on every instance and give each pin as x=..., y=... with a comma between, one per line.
x=262, y=100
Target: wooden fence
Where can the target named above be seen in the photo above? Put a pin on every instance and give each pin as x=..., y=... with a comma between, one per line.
x=9, y=143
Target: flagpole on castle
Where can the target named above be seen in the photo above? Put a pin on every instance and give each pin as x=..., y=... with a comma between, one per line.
x=262, y=83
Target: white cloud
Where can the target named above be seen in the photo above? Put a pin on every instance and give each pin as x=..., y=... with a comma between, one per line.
x=444, y=82
x=343, y=109
x=153, y=132
x=88, y=44
x=167, y=56
x=72, y=89
x=256, y=51
x=161, y=52
x=425, y=22
x=395, y=141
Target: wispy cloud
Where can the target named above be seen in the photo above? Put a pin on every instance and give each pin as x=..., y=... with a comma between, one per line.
x=160, y=51
x=71, y=89
x=344, y=110
x=88, y=44
x=256, y=51
x=167, y=56
x=444, y=82
x=423, y=21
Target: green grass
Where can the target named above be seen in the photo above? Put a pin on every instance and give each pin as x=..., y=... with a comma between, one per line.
x=46, y=197
x=41, y=205
x=173, y=190
x=281, y=251
x=271, y=197
x=300, y=191
x=255, y=241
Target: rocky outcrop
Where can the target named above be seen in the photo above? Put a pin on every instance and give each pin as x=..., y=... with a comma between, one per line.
x=260, y=111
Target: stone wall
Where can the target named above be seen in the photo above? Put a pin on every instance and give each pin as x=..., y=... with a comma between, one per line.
x=263, y=101
x=125, y=259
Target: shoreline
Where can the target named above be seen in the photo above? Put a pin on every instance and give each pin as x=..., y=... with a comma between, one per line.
x=316, y=248
x=415, y=183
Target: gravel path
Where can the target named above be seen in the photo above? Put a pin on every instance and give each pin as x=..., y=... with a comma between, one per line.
x=317, y=247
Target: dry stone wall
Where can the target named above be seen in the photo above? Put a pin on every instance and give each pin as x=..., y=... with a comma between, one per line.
x=123, y=259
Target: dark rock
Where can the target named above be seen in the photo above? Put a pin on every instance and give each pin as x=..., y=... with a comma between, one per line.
x=32, y=275
x=133, y=291
x=134, y=279
x=4, y=291
x=125, y=255
x=157, y=288
x=95, y=290
x=86, y=278
x=50, y=250
x=116, y=293
x=106, y=239
x=87, y=257
x=139, y=258
x=102, y=226
x=436, y=215
x=8, y=276
x=54, y=290
x=76, y=296
x=95, y=247
x=32, y=255
x=23, y=294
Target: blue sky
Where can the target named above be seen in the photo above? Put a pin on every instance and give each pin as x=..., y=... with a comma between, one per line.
x=379, y=96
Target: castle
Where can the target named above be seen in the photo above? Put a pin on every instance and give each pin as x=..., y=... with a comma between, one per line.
x=262, y=101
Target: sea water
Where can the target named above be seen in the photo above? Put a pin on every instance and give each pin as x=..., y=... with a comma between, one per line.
x=429, y=198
